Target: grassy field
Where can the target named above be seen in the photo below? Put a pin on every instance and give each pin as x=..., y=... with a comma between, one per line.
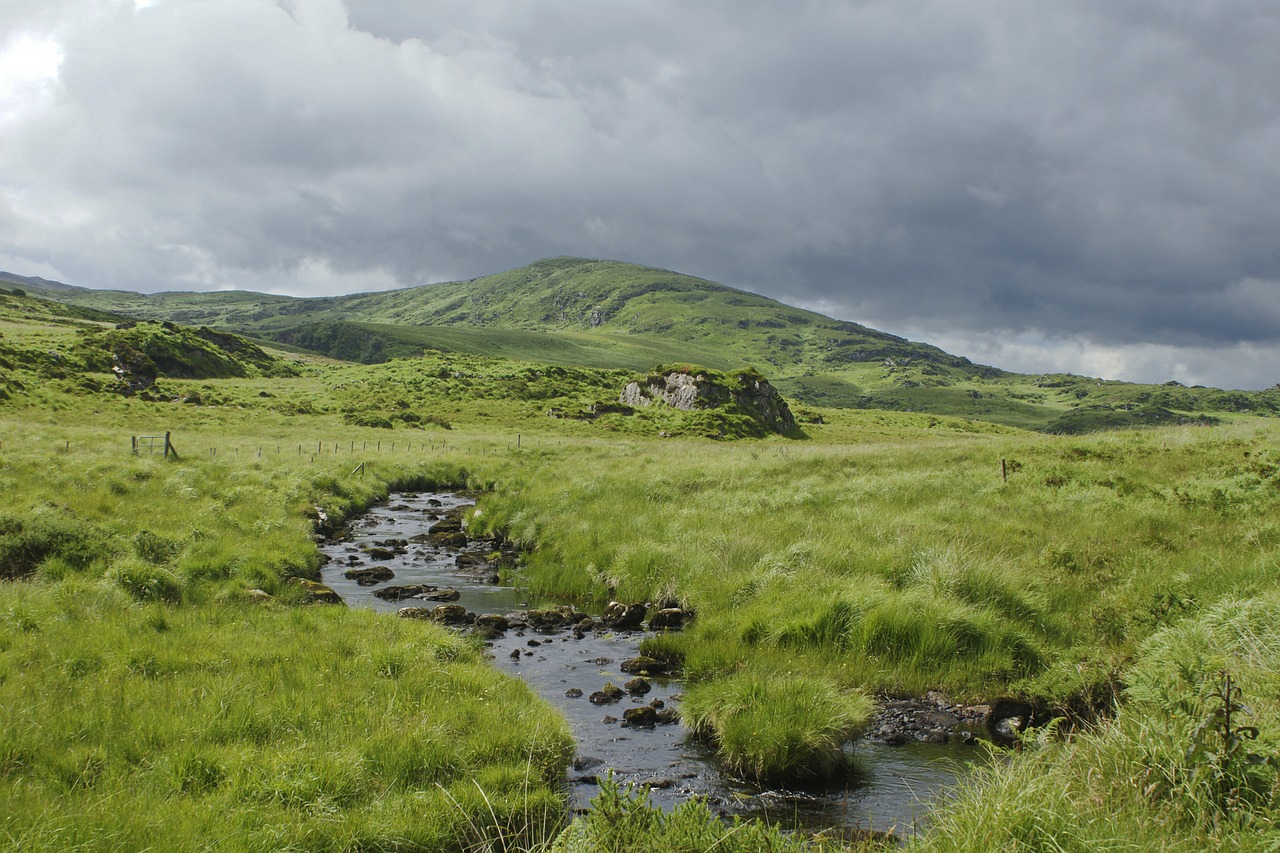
x=165, y=684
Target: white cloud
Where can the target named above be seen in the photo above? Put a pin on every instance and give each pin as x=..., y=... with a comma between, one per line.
x=28, y=74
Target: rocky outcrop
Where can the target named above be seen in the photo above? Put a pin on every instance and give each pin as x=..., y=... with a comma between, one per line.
x=745, y=393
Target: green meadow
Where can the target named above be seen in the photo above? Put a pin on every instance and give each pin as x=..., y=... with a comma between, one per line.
x=166, y=683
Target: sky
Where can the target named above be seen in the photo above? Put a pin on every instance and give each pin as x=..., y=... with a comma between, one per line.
x=1091, y=187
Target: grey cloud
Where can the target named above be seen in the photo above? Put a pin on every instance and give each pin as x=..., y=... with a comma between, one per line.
x=1082, y=171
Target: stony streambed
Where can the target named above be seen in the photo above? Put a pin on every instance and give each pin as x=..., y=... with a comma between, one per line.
x=411, y=554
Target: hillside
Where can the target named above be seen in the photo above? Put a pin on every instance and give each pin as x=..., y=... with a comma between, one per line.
x=576, y=312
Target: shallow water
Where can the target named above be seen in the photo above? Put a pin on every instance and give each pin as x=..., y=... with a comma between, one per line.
x=893, y=786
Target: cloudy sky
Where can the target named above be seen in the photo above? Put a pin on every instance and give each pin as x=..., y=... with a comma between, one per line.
x=1081, y=186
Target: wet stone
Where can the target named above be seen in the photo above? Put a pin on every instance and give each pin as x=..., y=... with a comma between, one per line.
x=607, y=695
x=638, y=686
x=452, y=614
x=667, y=619
x=645, y=664
x=642, y=717
x=439, y=595
x=370, y=576
x=658, y=784
x=493, y=620
x=317, y=593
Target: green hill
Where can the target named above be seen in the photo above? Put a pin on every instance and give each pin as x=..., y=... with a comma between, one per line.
x=576, y=312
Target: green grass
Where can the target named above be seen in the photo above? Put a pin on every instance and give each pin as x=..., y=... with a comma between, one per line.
x=884, y=554
x=766, y=727
x=255, y=727
x=1130, y=784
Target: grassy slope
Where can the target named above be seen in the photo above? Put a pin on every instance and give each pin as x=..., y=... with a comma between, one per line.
x=885, y=553
x=606, y=314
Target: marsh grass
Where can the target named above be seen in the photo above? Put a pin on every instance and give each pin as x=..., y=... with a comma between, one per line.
x=1132, y=783
x=256, y=727
x=910, y=566
x=884, y=555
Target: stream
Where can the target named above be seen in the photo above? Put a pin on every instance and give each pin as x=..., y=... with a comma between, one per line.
x=893, y=787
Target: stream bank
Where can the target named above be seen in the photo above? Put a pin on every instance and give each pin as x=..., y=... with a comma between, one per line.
x=410, y=553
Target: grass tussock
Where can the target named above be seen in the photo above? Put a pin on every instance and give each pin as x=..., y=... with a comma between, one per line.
x=777, y=727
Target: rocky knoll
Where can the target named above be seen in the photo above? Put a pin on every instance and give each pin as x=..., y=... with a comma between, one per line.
x=745, y=393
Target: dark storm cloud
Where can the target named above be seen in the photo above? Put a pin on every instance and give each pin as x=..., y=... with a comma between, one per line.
x=1019, y=181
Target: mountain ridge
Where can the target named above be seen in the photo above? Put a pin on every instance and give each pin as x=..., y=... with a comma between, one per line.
x=580, y=312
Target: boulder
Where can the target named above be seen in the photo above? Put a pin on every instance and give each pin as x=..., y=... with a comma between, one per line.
x=452, y=614
x=493, y=620
x=646, y=665
x=553, y=618
x=316, y=592
x=606, y=695
x=689, y=388
x=667, y=619
x=638, y=686
x=370, y=576
x=447, y=594
x=471, y=561
x=667, y=716
x=623, y=617
x=642, y=717
x=400, y=593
